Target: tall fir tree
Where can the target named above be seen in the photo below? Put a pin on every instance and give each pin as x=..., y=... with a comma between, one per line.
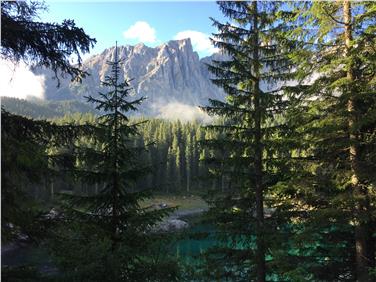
x=27, y=159
x=189, y=160
x=336, y=124
x=256, y=63
x=49, y=45
x=25, y=140
x=175, y=150
x=113, y=221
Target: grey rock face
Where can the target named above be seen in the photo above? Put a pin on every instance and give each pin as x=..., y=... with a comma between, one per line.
x=171, y=72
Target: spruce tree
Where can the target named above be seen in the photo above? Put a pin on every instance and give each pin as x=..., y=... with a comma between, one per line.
x=25, y=140
x=175, y=150
x=113, y=220
x=336, y=126
x=26, y=161
x=255, y=64
x=189, y=160
x=49, y=45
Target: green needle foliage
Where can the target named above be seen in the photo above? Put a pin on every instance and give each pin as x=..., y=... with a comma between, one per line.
x=334, y=121
x=250, y=137
x=26, y=164
x=40, y=44
x=110, y=224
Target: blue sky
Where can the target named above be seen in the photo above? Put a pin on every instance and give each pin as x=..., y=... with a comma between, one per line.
x=132, y=22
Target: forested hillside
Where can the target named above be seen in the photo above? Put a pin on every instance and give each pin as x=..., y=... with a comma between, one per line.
x=44, y=109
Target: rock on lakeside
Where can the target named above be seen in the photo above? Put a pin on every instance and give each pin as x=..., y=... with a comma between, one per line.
x=170, y=225
x=174, y=222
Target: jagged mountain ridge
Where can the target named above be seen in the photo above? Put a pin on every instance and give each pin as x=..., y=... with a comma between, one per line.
x=171, y=72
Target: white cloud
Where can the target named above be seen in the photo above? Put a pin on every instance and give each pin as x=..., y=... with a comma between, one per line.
x=182, y=112
x=19, y=82
x=142, y=32
x=200, y=41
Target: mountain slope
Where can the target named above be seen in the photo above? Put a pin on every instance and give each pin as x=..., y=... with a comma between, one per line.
x=169, y=73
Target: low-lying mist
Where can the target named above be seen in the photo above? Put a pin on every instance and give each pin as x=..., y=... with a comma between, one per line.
x=182, y=112
x=18, y=81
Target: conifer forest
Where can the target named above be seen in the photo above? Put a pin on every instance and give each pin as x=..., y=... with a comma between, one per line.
x=277, y=184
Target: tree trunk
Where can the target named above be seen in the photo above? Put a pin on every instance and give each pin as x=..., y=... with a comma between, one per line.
x=364, y=250
x=52, y=190
x=260, y=252
x=223, y=182
x=188, y=178
x=115, y=176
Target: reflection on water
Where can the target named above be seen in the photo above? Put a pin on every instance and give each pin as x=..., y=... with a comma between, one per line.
x=194, y=242
x=188, y=245
x=36, y=256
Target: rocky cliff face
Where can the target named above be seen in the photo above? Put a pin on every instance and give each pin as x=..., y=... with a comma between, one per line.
x=169, y=73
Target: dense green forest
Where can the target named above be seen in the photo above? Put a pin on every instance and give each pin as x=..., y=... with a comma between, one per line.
x=174, y=151
x=286, y=167
x=173, y=148
x=44, y=109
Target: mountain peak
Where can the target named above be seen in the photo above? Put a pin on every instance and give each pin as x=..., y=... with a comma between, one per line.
x=171, y=72
x=182, y=44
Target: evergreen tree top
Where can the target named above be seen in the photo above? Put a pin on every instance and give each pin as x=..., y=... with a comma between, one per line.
x=40, y=44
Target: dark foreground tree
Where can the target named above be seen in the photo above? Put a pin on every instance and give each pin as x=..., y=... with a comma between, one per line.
x=111, y=224
x=250, y=135
x=25, y=164
x=39, y=44
x=334, y=179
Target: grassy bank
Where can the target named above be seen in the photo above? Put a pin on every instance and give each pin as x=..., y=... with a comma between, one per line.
x=184, y=203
